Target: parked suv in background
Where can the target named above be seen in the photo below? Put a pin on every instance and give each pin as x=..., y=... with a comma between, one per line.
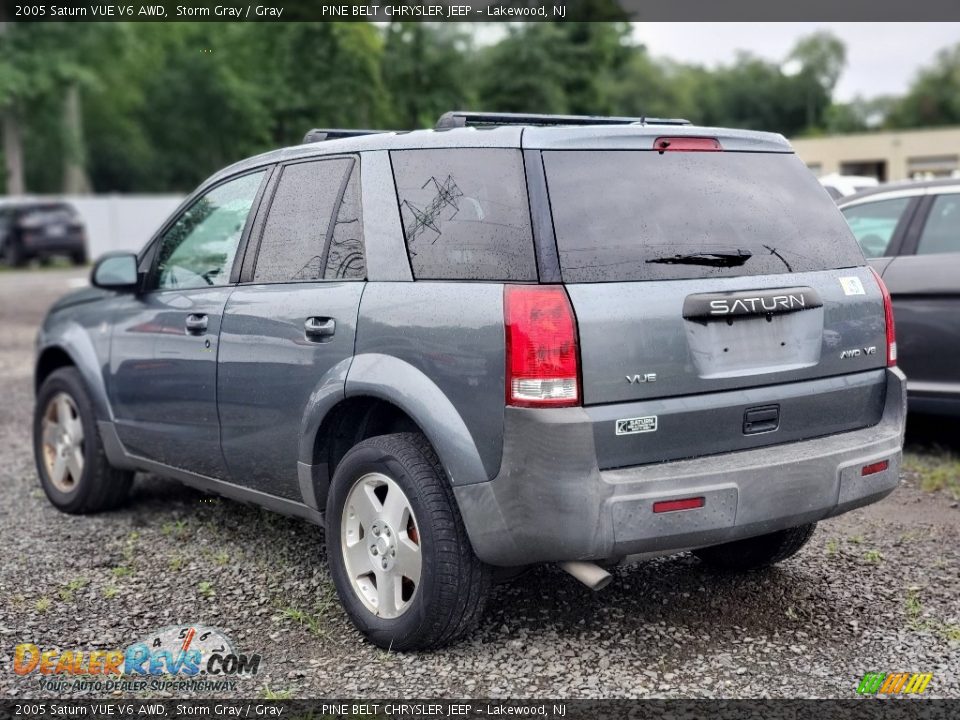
x=36, y=229
x=506, y=341
x=910, y=233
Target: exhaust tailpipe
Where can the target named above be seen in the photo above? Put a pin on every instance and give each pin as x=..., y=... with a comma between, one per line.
x=590, y=574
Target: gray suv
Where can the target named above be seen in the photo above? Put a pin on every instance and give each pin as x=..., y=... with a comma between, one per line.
x=505, y=341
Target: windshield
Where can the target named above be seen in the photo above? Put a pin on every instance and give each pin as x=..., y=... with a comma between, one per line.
x=623, y=215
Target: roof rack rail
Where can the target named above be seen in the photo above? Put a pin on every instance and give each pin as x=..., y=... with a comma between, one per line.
x=321, y=134
x=466, y=119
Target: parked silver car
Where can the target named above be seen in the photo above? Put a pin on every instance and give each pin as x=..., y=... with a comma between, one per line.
x=910, y=232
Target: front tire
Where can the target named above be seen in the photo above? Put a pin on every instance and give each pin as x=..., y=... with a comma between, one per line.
x=69, y=454
x=757, y=552
x=398, y=551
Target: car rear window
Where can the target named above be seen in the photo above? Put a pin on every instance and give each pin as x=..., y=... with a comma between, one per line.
x=645, y=215
x=465, y=214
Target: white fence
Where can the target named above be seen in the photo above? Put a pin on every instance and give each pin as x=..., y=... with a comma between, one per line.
x=118, y=222
x=122, y=222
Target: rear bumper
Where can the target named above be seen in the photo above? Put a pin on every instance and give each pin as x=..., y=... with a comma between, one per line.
x=550, y=502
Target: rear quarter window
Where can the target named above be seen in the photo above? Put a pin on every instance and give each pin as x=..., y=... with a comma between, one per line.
x=624, y=215
x=465, y=214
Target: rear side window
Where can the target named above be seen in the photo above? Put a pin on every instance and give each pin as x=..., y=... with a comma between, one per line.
x=644, y=215
x=941, y=234
x=874, y=223
x=313, y=229
x=465, y=214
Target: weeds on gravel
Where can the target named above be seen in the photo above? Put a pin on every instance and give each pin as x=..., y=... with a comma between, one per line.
x=177, y=529
x=42, y=604
x=313, y=623
x=175, y=562
x=221, y=558
x=67, y=591
x=936, y=471
x=109, y=592
x=916, y=621
x=268, y=694
x=832, y=546
x=121, y=571
x=873, y=557
x=18, y=600
x=206, y=589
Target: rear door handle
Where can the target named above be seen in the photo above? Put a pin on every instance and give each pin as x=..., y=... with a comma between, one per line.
x=319, y=328
x=196, y=324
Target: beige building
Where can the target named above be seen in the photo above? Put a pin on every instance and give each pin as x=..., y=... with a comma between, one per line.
x=887, y=156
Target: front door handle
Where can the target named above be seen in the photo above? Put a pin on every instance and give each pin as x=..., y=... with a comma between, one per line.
x=319, y=328
x=196, y=324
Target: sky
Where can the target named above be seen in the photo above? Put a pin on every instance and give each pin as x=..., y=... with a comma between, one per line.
x=882, y=58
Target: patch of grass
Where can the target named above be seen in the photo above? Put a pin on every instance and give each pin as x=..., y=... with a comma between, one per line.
x=42, y=604
x=177, y=528
x=18, y=600
x=110, y=591
x=268, y=694
x=936, y=471
x=67, y=591
x=222, y=557
x=913, y=605
x=206, y=589
x=313, y=623
x=832, y=546
x=175, y=562
x=873, y=557
x=856, y=539
x=121, y=571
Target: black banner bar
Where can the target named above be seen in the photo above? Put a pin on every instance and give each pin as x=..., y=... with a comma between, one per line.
x=865, y=708
x=478, y=11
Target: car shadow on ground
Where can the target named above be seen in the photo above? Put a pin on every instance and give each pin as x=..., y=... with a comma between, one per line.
x=676, y=590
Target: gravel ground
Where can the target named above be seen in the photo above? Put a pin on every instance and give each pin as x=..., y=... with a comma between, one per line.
x=876, y=589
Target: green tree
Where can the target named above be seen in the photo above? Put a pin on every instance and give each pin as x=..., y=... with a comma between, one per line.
x=934, y=97
x=427, y=71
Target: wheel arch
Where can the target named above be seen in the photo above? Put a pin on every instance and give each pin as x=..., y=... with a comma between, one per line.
x=74, y=348
x=383, y=395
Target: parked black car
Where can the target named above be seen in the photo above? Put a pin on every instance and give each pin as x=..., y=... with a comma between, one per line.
x=910, y=233
x=41, y=230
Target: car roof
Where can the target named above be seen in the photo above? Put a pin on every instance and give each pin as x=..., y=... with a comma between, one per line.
x=637, y=136
x=902, y=188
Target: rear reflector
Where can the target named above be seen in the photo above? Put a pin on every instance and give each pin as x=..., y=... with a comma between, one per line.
x=541, y=342
x=687, y=144
x=673, y=505
x=888, y=319
x=874, y=468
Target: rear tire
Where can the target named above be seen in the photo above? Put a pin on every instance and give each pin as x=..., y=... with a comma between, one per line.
x=73, y=467
x=399, y=554
x=756, y=552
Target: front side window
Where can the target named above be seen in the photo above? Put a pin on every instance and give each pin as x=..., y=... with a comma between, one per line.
x=465, y=213
x=313, y=230
x=874, y=223
x=941, y=233
x=199, y=249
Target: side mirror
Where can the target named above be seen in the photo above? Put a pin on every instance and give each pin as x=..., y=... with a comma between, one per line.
x=115, y=271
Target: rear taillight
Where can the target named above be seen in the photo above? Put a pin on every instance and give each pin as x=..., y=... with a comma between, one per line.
x=888, y=320
x=541, y=342
x=687, y=144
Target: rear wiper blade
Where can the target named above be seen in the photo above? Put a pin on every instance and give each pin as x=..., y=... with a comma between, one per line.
x=713, y=258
